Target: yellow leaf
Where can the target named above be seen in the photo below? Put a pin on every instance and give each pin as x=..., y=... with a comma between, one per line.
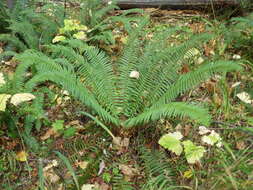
x=17, y=99
x=21, y=156
x=80, y=35
x=58, y=39
x=83, y=164
x=3, y=100
x=82, y=27
x=188, y=174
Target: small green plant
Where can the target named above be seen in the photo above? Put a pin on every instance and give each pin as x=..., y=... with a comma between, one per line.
x=193, y=153
x=28, y=28
x=96, y=16
x=67, y=131
x=21, y=105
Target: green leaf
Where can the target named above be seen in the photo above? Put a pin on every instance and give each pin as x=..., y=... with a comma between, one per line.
x=172, y=142
x=193, y=153
x=69, y=167
x=213, y=138
x=69, y=132
x=58, y=125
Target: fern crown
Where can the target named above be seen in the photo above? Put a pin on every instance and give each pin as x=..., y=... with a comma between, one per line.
x=108, y=88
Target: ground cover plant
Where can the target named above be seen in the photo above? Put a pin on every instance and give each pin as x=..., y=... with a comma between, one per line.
x=124, y=99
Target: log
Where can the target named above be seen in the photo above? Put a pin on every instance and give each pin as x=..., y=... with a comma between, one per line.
x=173, y=3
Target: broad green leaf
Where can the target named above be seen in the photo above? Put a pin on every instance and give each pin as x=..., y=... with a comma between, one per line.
x=193, y=153
x=172, y=142
x=3, y=100
x=69, y=132
x=72, y=25
x=58, y=125
x=213, y=138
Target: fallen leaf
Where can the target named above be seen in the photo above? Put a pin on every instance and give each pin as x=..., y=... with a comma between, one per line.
x=3, y=100
x=82, y=164
x=121, y=144
x=134, y=74
x=236, y=57
x=128, y=170
x=240, y=145
x=87, y=187
x=187, y=130
x=235, y=84
x=188, y=174
x=245, y=97
x=21, y=156
x=203, y=130
x=101, y=167
x=17, y=99
x=50, y=132
x=51, y=175
x=52, y=164
x=103, y=186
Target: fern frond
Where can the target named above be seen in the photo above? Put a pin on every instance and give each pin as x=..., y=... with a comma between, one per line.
x=27, y=32
x=77, y=45
x=158, y=169
x=174, y=109
x=72, y=84
x=99, y=75
x=65, y=52
x=29, y=58
x=119, y=183
x=7, y=54
x=194, y=78
x=13, y=40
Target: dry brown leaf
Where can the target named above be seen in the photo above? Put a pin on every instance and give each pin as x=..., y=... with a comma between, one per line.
x=103, y=186
x=21, y=156
x=52, y=164
x=121, y=144
x=240, y=145
x=187, y=129
x=51, y=175
x=128, y=170
x=50, y=132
